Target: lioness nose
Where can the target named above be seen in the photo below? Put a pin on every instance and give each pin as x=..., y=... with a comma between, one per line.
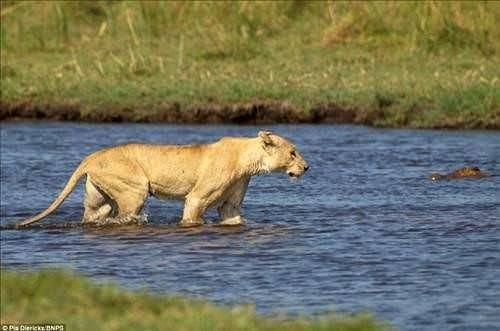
x=306, y=168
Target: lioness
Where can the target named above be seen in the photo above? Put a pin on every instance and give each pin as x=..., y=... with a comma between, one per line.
x=119, y=179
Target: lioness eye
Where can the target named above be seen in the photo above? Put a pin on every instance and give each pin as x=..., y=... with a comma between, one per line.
x=292, y=153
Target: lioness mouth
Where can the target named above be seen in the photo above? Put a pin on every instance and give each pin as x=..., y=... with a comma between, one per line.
x=293, y=175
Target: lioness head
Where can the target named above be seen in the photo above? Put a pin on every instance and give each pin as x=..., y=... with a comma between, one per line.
x=281, y=155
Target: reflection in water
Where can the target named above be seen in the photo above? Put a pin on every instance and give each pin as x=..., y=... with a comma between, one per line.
x=364, y=229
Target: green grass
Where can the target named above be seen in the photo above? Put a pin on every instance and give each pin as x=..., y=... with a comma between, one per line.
x=416, y=64
x=59, y=297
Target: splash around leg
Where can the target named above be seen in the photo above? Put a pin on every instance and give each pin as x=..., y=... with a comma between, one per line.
x=118, y=220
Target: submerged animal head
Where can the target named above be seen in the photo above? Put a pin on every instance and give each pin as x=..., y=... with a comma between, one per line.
x=281, y=155
x=436, y=176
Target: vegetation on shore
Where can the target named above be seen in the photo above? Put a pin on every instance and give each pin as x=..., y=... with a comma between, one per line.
x=59, y=297
x=414, y=64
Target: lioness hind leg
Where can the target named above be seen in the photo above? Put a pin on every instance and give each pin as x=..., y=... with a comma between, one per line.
x=97, y=215
x=98, y=206
x=130, y=205
x=127, y=195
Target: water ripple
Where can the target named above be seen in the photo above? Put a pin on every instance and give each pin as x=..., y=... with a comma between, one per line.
x=363, y=230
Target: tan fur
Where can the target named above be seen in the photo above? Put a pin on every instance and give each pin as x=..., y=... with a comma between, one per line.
x=466, y=172
x=119, y=179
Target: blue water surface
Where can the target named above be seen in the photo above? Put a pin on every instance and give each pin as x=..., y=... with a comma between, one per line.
x=363, y=230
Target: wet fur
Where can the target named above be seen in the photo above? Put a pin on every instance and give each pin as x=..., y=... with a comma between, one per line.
x=466, y=172
x=120, y=179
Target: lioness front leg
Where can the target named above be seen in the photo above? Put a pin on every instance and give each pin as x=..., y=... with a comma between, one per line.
x=230, y=209
x=198, y=200
x=194, y=208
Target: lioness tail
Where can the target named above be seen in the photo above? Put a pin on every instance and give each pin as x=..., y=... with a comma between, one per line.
x=79, y=172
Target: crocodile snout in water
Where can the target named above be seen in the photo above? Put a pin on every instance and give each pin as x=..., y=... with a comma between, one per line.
x=466, y=172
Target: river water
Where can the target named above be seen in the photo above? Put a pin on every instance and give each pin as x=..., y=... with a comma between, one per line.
x=363, y=230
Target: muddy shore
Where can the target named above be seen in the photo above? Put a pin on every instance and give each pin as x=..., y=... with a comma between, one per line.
x=255, y=112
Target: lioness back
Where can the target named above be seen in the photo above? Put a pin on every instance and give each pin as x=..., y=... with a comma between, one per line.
x=171, y=170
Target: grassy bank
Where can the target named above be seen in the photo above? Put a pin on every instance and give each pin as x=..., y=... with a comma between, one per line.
x=415, y=64
x=59, y=297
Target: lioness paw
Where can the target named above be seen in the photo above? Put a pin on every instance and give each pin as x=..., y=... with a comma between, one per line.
x=191, y=223
x=237, y=220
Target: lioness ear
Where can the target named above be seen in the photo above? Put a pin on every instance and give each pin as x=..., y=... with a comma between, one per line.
x=266, y=137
